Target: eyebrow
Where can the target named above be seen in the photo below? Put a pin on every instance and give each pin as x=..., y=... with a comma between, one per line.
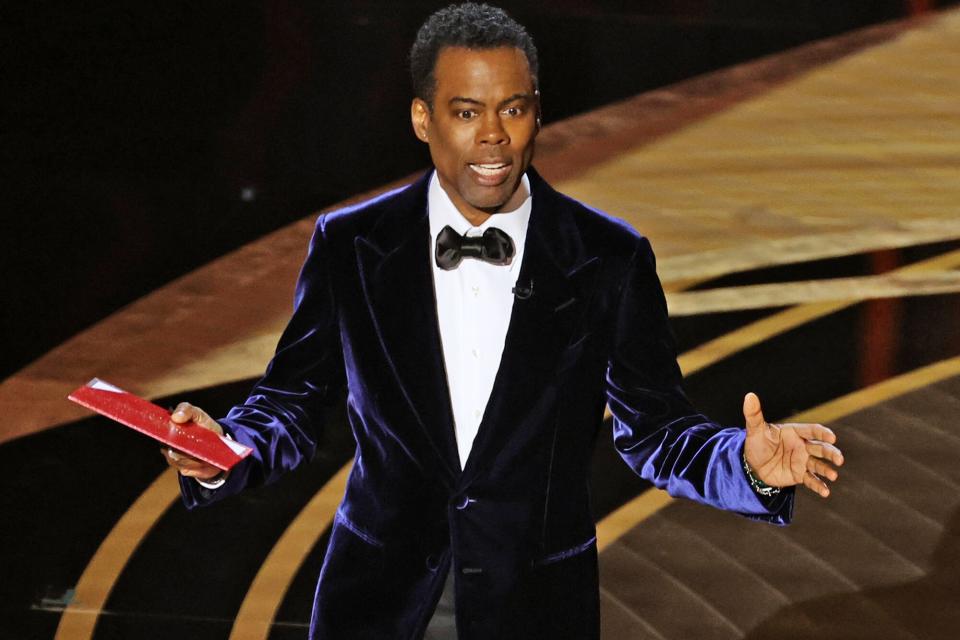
x=513, y=98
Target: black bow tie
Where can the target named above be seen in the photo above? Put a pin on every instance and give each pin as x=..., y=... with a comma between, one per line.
x=494, y=246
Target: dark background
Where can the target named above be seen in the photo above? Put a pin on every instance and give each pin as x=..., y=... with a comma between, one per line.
x=141, y=140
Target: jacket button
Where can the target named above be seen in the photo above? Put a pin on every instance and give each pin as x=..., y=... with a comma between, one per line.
x=463, y=502
x=433, y=562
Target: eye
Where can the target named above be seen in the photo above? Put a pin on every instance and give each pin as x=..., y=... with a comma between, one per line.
x=513, y=112
x=466, y=114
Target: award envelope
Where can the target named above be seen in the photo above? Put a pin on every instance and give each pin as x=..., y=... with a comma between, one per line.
x=154, y=421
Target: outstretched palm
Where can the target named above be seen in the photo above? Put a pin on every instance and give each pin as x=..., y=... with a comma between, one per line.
x=783, y=455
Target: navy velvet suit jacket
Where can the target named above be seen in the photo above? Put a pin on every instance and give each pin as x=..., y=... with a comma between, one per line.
x=515, y=522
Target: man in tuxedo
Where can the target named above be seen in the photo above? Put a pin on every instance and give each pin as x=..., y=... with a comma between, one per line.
x=480, y=321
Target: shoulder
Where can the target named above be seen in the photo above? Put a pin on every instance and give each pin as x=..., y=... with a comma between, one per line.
x=602, y=229
x=362, y=217
x=602, y=234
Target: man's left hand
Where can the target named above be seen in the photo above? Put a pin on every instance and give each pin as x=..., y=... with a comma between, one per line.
x=783, y=455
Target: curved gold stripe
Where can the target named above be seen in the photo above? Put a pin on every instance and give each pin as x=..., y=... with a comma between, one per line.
x=96, y=582
x=726, y=345
x=273, y=579
x=880, y=392
x=715, y=263
x=754, y=333
x=619, y=522
x=615, y=525
x=783, y=294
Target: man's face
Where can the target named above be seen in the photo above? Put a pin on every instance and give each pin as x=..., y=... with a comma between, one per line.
x=481, y=130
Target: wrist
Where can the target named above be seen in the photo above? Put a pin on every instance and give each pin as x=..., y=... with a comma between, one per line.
x=758, y=485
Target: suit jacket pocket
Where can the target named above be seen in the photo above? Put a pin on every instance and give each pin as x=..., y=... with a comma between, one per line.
x=358, y=531
x=572, y=353
x=563, y=554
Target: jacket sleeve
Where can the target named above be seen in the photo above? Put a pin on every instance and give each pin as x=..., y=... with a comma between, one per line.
x=655, y=428
x=284, y=415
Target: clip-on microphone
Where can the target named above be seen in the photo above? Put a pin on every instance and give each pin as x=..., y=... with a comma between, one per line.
x=523, y=292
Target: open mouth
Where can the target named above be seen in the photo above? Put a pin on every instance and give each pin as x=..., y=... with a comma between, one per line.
x=490, y=172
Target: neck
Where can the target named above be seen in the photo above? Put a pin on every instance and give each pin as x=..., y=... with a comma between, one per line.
x=476, y=216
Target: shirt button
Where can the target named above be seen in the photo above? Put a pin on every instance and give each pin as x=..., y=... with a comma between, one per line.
x=476, y=291
x=475, y=352
x=477, y=413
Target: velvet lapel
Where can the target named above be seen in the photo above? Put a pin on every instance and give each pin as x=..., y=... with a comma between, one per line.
x=394, y=260
x=541, y=326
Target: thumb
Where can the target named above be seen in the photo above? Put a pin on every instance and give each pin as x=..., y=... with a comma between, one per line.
x=183, y=413
x=186, y=412
x=752, y=414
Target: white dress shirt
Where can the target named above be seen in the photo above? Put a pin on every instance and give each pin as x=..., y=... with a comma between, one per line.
x=474, y=303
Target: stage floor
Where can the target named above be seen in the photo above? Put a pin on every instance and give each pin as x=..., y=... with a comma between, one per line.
x=805, y=211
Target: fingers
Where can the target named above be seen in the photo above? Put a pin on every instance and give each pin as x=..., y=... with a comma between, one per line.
x=189, y=466
x=813, y=432
x=825, y=450
x=822, y=469
x=818, y=470
x=752, y=414
x=179, y=460
x=816, y=484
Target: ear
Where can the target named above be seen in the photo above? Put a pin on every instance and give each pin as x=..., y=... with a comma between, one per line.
x=420, y=118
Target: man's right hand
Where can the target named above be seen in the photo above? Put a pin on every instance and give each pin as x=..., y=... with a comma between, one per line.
x=187, y=465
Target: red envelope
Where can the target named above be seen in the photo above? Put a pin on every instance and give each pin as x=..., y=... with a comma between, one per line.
x=154, y=421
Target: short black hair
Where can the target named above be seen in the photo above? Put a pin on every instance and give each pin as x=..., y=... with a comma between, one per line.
x=470, y=25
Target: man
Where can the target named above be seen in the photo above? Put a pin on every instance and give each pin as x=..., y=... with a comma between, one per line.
x=480, y=321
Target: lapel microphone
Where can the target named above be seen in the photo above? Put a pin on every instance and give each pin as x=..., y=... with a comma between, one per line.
x=523, y=292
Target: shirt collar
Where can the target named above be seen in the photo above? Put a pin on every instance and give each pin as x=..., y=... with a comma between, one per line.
x=443, y=212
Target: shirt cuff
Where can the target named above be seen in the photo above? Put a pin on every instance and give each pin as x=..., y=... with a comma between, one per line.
x=216, y=481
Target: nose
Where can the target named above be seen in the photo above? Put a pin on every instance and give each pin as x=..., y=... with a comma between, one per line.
x=491, y=131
